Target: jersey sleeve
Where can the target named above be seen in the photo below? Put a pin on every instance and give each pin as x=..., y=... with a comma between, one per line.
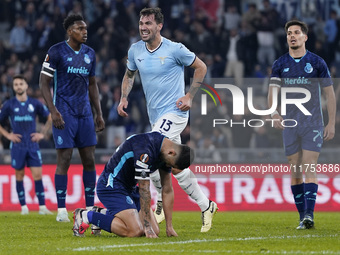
x=183, y=55
x=94, y=63
x=4, y=112
x=131, y=64
x=324, y=74
x=142, y=166
x=42, y=109
x=275, y=78
x=50, y=63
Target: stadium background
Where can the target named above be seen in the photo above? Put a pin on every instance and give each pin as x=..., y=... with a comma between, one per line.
x=29, y=28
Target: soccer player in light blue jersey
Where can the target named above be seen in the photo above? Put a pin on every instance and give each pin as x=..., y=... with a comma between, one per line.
x=22, y=112
x=71, y=64
x=300, y=68
x=161, y=63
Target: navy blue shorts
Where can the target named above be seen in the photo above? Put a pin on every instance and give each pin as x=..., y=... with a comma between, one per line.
x=24, y=156
x=117, y=200
x=302, y=138
x=78, y=133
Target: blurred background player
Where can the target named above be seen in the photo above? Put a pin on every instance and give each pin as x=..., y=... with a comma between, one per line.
x=161, y=63
x=72, y=66
x=22, y=112
x=133, y=162
x=303, y=142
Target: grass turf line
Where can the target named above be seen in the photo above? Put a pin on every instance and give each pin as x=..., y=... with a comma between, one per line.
x=232, y=233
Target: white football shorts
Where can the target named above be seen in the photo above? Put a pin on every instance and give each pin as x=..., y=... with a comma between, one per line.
x=171, y=125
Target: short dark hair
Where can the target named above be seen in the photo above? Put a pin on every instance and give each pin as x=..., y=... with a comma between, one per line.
x=70, y=19
x=159, y=18
x=185, y=158
x=303, y=25
x=20, y=76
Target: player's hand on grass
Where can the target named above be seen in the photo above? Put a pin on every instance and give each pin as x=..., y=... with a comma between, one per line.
x=277, y=121
x=57, y=120
x=36, y=137
x=329, y=132
x=123, y=104
x=170, y=231
x=15, y=138
x=184, y=103
x=100, y=123
x=149, y=233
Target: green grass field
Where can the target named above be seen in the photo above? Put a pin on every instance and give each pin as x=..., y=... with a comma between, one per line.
x=232, y=233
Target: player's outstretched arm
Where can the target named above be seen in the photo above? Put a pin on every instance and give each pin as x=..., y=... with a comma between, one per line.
x=168, y=201
x=94, y=97
x=184, y=103
x=329, y=131
x=127, y=85
x=145, y=204
x=44, y=83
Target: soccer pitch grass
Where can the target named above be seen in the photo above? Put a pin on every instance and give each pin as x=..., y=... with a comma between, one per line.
x=232, y=233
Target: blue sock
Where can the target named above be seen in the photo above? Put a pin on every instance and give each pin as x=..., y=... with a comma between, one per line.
x=299, y=198
x=21, y=192
x=89, y=180
x=101, y=220
x=39, y=191
x=311, y=190
x=61, y=189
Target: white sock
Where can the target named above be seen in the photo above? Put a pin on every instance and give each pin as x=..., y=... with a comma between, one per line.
x=84, y=216
x=60, y=210
x=89, y=208
x=156, y=180
x=188, y=182
x=42, y=207
x=103, y=211
x=24, y=207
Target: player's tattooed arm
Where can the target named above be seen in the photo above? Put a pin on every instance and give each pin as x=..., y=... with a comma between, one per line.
x=200, y=72
x=145, y=203
x=127, y=84
x=184, y=103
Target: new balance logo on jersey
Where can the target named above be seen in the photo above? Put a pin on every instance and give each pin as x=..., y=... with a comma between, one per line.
x=286, y=70
x=140, y=59
x=69, y=59
x=81, y=70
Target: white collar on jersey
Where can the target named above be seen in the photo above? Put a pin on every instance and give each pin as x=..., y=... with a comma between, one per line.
x=159, y=45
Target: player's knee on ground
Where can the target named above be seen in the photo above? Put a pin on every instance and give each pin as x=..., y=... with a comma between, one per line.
x=135, y=232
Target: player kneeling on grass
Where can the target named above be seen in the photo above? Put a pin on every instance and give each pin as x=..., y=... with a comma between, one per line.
x=128, y=212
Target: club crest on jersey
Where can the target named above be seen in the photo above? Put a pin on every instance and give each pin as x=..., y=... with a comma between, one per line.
x=162, y=60
x=308, y=68
x=129, y=200
x=30, y=108
x=16, y=109
x=87, y=59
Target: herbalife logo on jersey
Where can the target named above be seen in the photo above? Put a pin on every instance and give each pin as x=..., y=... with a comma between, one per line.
x=239, y=105
x=81, y=70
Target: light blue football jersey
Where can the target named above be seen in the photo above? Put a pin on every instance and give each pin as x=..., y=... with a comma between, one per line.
x=162, y=75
